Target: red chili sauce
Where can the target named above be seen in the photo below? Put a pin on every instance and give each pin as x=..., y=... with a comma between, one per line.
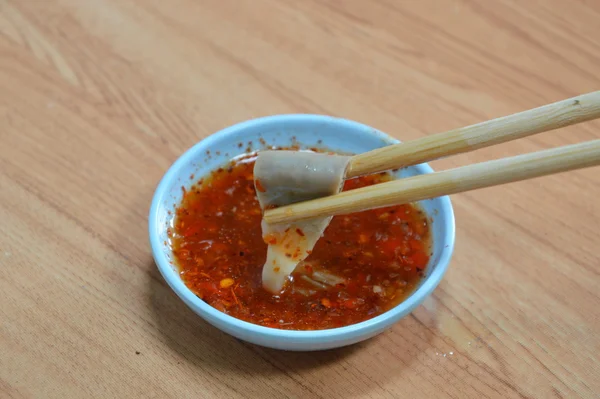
x=369, y=261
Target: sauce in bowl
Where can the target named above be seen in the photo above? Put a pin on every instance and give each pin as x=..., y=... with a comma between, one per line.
x=365, y=264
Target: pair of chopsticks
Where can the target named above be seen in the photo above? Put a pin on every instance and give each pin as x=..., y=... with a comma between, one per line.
x=486, y=174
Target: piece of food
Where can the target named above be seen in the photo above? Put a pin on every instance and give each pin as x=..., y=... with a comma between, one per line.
x=286, y=177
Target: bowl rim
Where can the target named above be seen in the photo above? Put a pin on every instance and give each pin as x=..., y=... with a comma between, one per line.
x=206, y=311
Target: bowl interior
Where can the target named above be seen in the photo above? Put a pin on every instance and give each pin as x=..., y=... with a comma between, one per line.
x=285, y=130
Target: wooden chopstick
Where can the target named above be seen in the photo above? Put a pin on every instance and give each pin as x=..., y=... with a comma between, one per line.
x=548, y=117
x=466, y=178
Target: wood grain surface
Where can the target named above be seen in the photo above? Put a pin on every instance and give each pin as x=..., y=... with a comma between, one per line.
x=99, y=97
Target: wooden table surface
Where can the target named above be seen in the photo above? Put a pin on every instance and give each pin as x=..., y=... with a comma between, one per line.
x=98, y=98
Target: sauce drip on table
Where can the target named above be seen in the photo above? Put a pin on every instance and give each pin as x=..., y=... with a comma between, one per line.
x=364, y=264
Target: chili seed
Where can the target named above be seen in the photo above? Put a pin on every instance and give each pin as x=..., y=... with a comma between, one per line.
x=226, y=283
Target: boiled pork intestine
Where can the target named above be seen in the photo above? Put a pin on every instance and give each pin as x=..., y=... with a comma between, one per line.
x=287, y=177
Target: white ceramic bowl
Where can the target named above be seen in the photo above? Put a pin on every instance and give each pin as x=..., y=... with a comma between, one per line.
x=308, y=131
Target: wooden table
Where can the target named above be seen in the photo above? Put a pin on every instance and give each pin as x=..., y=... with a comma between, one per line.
x=98, y=98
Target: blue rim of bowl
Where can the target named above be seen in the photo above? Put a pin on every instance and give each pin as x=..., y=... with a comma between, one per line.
x=359, y=329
